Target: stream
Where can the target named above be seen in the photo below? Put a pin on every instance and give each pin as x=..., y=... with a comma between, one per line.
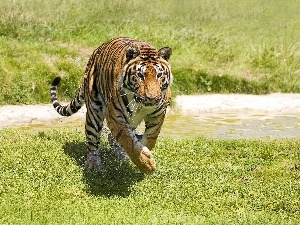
x=273, y=116
x=228, y=125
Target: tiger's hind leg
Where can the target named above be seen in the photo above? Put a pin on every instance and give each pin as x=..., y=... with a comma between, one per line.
x=95, y=115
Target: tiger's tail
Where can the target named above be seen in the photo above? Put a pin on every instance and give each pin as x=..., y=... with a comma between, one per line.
x=73, y=107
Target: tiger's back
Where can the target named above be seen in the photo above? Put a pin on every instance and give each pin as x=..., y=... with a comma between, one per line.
x=126, y=81
x=107, y=65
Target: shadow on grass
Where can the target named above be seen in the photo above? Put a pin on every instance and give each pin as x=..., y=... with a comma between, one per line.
x=115, y=179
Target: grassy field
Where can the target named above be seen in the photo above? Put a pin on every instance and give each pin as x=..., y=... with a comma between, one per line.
x=219, y=46
x=198, y=181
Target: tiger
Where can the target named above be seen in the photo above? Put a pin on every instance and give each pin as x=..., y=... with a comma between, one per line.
x=126, y=81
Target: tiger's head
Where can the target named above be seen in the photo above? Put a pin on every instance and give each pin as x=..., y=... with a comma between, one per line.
x=147, y=74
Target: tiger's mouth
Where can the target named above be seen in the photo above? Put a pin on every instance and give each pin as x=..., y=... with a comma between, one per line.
x=147, y=101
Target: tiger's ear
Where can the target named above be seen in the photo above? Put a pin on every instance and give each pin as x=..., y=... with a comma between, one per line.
x=131, y=53
x=165, y=53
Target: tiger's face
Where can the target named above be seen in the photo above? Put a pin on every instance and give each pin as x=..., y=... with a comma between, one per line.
x=147, y=75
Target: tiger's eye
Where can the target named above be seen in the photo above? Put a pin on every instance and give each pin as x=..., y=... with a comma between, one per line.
x=140, y=75
x=159, y=75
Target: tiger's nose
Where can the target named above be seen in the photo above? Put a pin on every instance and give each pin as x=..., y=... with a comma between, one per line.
x=147, y=100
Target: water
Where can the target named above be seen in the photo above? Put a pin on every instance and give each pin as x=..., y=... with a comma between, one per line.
x=231, y=125
x=220, y=125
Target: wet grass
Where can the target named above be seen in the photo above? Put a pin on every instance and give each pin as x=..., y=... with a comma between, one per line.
x=198, y=181
x=246, y=47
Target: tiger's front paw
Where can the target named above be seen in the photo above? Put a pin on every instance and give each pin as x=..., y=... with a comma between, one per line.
x=93, y=161
x=146, y=162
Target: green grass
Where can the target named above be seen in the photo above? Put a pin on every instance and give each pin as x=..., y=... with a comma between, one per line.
x=198, y=181
x=253, y=44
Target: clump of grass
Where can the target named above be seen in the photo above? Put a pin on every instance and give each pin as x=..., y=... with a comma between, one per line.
x=198, y=180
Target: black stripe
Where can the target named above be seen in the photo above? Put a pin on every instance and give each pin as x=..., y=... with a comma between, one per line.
x=119, y=134
x=126, y=103
x=56, y=104
x=91, y=146
x=90, y=132
x=157, y=110
x=152, y=125
x=56, y=81
x=90, y=124
x=65, y=112
x=74, y=108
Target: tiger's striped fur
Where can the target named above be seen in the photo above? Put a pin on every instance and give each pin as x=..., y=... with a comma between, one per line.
x=126, y=81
